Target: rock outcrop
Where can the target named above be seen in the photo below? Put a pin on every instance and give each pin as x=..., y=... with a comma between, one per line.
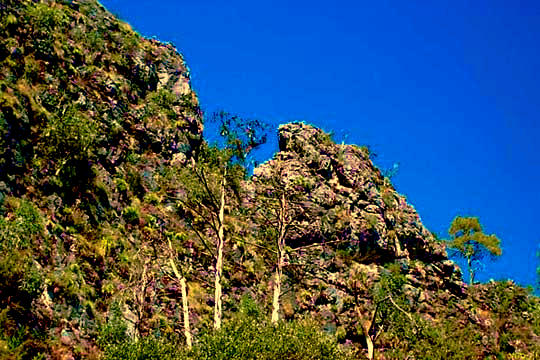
x=81, y=93
x=351, y=201
x=348, y=228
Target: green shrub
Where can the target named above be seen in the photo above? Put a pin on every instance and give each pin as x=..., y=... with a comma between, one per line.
x=114, y=331
x=25, y=223
x=249, y=335
x=246, y=335
x=46, y=18
x=147, y=348
x=131, y=214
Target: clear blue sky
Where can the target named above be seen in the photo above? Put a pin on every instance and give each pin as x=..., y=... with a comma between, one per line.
x=447, y=89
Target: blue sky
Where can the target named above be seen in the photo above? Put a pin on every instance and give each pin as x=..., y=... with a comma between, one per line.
x=447, y=89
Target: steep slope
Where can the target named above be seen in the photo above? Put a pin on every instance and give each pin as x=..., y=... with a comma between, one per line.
x=83, y=93
x=89, y=112
x=360, y=260
x=105, y=181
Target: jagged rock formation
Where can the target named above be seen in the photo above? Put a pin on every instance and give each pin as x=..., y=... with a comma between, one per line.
x=350, y=201
x=356, y=245
x=362, y=224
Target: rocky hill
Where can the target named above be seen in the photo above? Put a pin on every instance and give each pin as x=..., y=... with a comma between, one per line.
x=355, y=213
x=82, y=94
x=361, y=247
x=110, y=213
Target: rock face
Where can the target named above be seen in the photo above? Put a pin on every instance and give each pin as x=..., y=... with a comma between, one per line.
x=348, y=228
x=350, y=201
x=81, y=92
x=90, y=112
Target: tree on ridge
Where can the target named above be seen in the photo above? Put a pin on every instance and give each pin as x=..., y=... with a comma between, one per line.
x=469, y=242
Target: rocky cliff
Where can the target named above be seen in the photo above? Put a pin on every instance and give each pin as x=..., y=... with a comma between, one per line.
x=352, y=226
x=108, y=192
x=82, y=93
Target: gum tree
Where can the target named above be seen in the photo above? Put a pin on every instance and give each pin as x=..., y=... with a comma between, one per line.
x=469, y=242
x=278, y=207
x=212, y=183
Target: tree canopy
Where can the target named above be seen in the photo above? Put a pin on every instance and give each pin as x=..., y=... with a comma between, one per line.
x=471, y=243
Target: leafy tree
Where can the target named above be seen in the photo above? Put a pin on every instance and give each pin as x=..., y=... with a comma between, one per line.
x=239, y=137
x=470, y=243
x=210, y=182
x=391, y=316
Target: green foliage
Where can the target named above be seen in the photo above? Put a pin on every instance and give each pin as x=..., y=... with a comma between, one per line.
x=471, y=243
x=117, y=345
x=388, y=198
x=147, y=348
x=388, y=292
x=70, y=134
x=114, y=331
x=512, y=309
x=250, y=337
x=406, y=334
x=439, y=341
x=20, y=274
x=246, y=335
x=45, y=17
x=131, y=214
x=240, y=136
x=23, y=224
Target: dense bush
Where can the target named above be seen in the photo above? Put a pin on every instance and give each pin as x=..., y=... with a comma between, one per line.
x=246, y=335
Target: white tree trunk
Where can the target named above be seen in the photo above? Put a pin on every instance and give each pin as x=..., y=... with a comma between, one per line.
x=185, y=311
x=218, y=311
x=369, y=343
x=280, y=260
x=185, y=307
x=277, y=291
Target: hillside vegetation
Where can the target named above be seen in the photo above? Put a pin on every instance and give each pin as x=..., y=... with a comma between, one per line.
x=125, y=235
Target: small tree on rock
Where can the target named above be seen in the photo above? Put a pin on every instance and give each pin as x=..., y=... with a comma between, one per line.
x=470, y=243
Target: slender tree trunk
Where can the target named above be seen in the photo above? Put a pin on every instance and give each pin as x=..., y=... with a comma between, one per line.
x=219, y=261
x=369, y=343
x=366, y=328
x=140, y=295
x=277, y=292
x=471, y=271
x=185, y=308
x=280, y=260
x=185, y=311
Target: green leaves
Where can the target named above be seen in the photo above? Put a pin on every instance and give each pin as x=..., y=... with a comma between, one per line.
x=70, y=134
x=462, y=226
x=239, y=136
x=470, y=243
x=23, y=223
x=246, y=335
